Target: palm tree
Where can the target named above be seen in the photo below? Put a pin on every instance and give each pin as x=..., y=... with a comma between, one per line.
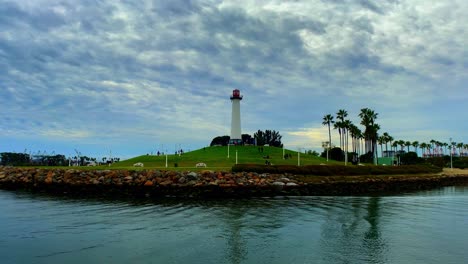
x=381, y=141
x=368, y=117
x=401, y=143
x=432, y=145
x=423, y=147
x=346, y=126
x=355, y=135
x=338, y=125
x=328, y=120
x=452, y=148
x=387, y=138
x=341, y=114
x=415, y=144
x=445, y=145
x=407, y=144
x=395, y=145
x=460, y=148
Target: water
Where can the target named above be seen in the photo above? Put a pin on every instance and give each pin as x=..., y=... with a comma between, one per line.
x=423, y=227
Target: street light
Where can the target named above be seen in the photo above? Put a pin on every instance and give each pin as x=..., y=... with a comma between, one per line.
x=325, y=144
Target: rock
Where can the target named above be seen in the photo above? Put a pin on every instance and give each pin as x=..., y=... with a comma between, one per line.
x=191, y=176
x=148, y=183
x=182, y=180
x=278, y=186
x=166, y=183
x=206, y=172
x=284, y=179
x=213, y=183
x=96, y=182
x=277, y=183
x=191, y=183
x=128, y=178
x=48, y=180
x=291, y=184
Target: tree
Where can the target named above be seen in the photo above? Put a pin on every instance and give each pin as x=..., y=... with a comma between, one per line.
x=415, y=144
x=381, y=141
x=407, y=144
x=220, y=140
x=341, y=115
x=423, y=147
x=460, y=148
x=328, y=120
x=259, y=138
x=368, y=118
x=270, y=137
x=247, y=139
x=356, y=135
x=14, y=159
x=387, y=139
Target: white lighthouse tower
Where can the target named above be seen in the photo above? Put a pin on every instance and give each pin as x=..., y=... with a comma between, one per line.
x=236, y=136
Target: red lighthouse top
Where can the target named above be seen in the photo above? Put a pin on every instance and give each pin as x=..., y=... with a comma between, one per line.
x=236, y=95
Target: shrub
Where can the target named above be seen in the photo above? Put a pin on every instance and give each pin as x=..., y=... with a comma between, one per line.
x=336, y=170
x=461, y=163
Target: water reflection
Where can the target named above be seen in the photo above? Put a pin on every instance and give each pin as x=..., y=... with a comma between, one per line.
x=243, y=221
x=373, y=243
x=429, y=226
x=351, y=232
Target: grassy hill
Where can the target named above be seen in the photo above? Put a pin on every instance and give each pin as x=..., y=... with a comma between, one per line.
x=217, y=158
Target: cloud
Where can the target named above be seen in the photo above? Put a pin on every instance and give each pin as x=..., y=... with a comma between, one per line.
x=163, y=70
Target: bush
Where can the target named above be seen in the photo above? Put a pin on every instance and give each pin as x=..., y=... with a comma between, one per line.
x=334, y=154
x=461, y=163
x=410, y=158
x=367, y=158
x=336, y=170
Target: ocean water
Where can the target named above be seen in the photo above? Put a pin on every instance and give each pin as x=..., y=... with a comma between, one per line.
x=420, y=227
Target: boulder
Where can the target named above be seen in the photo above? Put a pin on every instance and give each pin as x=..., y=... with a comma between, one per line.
x=277, y=183
x=148, y=183
x=191, y=176
x=128, y=178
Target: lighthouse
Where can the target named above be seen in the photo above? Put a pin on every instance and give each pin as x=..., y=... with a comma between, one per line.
x=236, y=136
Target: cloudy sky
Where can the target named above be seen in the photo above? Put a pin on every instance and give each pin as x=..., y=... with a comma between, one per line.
x=134, y=77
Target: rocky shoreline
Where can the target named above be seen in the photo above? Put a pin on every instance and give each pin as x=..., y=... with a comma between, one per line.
x=207, y=183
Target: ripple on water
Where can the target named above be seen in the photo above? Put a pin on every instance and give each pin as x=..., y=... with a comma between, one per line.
x=427, y=226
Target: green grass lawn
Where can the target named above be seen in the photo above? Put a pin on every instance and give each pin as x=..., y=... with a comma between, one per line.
x=216, y=158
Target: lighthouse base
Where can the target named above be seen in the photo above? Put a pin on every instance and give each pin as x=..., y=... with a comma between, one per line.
x=235, y=141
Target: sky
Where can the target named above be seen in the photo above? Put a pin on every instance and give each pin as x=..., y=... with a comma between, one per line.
x=134, y=77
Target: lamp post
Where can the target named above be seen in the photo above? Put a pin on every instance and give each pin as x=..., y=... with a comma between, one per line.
x=299, y=157
x=451, y=149
x=325, y=145
x=236, y=156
